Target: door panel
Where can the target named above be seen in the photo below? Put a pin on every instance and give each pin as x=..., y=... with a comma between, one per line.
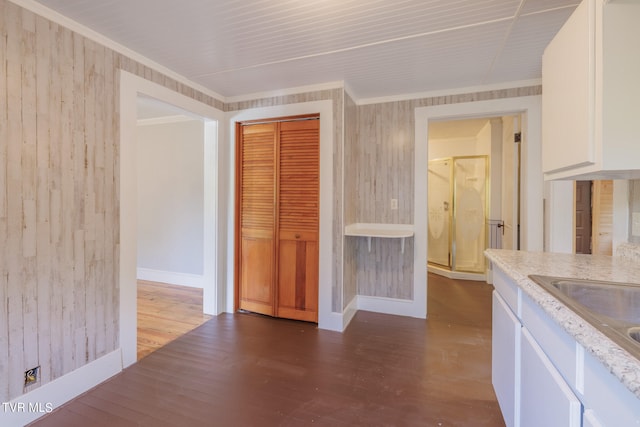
x=298, y=219
x=583, y=217
x=298, y=280
x=602, y=218
x=257, y=218
x=256, y=286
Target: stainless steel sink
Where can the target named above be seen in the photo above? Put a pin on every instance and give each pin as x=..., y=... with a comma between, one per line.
x=617, y=301
x=612, y=307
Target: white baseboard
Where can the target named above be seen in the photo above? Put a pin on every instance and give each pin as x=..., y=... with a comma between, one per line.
x=171, y=277
x=400, y=307
x=37, y=403
x=350, y=311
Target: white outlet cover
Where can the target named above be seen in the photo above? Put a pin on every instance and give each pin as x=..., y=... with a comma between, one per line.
x=635, y=224
x=394, y=203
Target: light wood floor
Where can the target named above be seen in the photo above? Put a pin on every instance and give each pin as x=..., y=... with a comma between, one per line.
x=250, y=370
x=166, y=312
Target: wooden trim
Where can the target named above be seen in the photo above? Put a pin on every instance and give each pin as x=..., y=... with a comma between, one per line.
x=237, y=231
x=313, y=116
x=276, y=218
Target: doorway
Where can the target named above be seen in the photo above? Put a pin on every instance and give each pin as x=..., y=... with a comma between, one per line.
x=593, y=217
x=473, y=192
x=277, y=216
x=131, y=87
x=170, y=243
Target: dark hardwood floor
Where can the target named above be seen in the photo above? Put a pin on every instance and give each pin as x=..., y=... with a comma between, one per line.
x=250, y=370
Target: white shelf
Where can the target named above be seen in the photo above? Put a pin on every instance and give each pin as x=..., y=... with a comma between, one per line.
x=386, y=231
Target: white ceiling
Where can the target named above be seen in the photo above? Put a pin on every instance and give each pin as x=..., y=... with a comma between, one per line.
x=377, y=47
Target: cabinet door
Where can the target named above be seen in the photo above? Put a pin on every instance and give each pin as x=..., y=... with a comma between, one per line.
x=298, y=219
x=545, y=399
x=505, y=359
x=257, y=175
x=590, y=420
x=568, y=100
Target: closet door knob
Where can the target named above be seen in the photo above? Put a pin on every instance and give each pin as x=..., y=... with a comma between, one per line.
x=297, y=236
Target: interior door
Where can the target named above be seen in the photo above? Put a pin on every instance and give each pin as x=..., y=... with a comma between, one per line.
x=256, y=200
x=583, y=217
x=602, y=218
x=298, y=219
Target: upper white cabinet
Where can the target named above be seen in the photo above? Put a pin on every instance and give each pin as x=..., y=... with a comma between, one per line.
x=591, y=93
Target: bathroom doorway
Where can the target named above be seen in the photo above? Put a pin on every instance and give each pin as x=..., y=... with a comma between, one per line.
x=472, y=193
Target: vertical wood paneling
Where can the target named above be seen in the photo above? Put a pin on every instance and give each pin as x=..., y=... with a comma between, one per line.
x=350, y=197
x=59, y=195
x=384, y=171
x=4, y=253
x=29, y=180
x=13, y=23
x=43, y=218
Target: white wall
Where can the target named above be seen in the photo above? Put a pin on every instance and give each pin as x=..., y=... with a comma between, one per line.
x=452, y=147
x=171, y=199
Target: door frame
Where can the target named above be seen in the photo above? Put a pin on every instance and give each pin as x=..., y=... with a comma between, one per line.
x=531, y=172
x=327, y=319
x=130, y=86
x=237, y=205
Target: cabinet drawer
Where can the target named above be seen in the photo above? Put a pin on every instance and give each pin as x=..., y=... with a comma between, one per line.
x=559, y=346
x=508, y=290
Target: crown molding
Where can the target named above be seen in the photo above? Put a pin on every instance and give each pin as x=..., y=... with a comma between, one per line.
x=449, y=92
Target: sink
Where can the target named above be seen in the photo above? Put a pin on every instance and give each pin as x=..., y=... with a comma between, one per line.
x=634, y=333
x=617, y=301
x=611, y=307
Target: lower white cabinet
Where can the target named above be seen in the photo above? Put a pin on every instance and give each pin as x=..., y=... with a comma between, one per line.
x=589, y=419
x=539, y=376
x=505, y=363
x=545, y=398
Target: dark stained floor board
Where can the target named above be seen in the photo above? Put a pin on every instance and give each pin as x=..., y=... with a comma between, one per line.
x=250, y=370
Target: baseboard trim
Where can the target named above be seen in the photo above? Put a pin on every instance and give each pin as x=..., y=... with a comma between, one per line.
x=171, y=277
x=399, y=307
x=37, y=403
x=349, y=312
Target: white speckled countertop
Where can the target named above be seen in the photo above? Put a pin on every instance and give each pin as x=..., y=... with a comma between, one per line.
x=520, y=264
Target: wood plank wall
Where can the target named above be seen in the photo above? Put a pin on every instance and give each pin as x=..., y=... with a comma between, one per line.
x=383, y=164
x=350, y=185
x=59, y=192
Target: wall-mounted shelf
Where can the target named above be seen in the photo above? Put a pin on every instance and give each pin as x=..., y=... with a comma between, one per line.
x=387, y=231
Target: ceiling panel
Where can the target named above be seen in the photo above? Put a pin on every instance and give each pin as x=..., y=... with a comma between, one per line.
x=378, y=47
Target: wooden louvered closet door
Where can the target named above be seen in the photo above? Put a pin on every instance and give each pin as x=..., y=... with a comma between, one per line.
x=257, y=165
x=278, y=217
x=298, y=218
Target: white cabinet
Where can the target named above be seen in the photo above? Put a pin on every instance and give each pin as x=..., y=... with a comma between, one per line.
x=505, y=363
x=546, y=400
x=589, y=419
x=590, y=94
x=542, y=376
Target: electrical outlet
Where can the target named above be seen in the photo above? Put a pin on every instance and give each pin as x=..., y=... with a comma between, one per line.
x=394, y=204
x=31, y=376
x=635, y=224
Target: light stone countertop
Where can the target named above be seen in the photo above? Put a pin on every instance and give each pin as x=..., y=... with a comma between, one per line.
x=518, y=265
